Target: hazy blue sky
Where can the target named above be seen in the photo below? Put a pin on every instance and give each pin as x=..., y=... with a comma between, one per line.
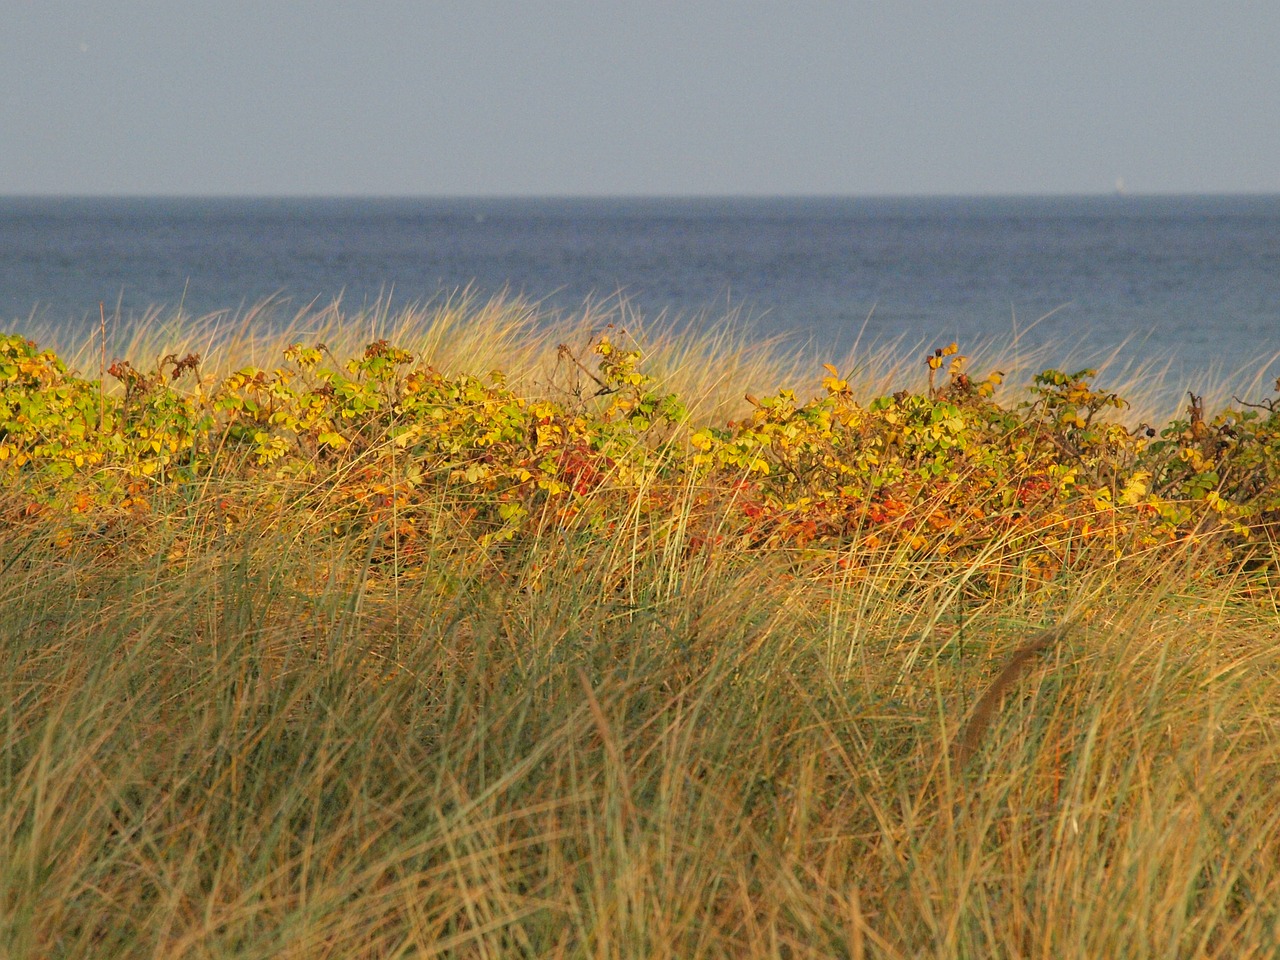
x=638, y=97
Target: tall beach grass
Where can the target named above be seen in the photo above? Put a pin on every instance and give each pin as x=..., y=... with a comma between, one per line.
x=241, y=741
x=710, y=358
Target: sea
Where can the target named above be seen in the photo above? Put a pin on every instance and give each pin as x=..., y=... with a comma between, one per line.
x=1188, y=282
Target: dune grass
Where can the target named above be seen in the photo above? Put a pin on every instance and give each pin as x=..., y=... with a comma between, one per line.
x=243, y=741
x=710, y=360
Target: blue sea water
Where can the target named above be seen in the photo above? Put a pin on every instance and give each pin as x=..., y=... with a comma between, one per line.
x=1192, y=279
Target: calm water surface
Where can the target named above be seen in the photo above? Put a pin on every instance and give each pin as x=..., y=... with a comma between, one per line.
x=1192, y=278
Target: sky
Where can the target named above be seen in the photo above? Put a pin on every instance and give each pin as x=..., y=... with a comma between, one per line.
x=643, y=97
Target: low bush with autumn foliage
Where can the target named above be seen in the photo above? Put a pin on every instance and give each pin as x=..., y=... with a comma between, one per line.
x=367, y=651
x=378, y=444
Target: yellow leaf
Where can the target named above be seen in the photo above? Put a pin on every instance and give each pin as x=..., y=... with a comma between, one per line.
x=1136, y=488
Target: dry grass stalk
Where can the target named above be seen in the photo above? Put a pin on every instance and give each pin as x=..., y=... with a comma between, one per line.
x=971, y=736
